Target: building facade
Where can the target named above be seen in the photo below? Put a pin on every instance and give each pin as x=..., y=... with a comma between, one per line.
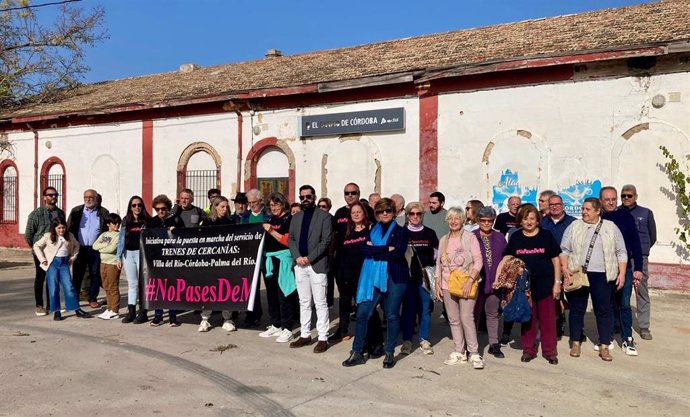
x=571, y=103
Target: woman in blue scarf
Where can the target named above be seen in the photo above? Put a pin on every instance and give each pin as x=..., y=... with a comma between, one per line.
x=385, y=275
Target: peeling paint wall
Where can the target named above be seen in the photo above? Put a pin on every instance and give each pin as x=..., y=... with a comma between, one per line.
x=571, y=137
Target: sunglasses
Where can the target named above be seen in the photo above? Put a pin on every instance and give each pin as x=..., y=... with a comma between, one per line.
x=163, y=208
x=486, y=220
x=135, y=205
x=627, y=196
x=351, y=193
x=385, y=211
x=323, y=206
x=53, y=195
x=414, y=213
x=306, y=197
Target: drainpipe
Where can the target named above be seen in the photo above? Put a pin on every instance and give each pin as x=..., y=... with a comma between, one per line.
x=232, y=106
x=35, y=164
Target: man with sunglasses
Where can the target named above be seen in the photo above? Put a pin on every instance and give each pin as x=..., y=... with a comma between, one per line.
x=622, y=312
x=646, y=229
x=309, y=240
x=351, y=195
x=36, y=226
x=87, y=221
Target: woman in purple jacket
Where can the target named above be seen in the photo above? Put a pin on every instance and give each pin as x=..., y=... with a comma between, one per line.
x=492, y=244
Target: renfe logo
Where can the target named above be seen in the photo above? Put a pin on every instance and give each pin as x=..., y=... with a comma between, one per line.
x=223, y=291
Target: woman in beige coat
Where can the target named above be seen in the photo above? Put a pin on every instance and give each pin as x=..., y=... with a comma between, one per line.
x=56, y=251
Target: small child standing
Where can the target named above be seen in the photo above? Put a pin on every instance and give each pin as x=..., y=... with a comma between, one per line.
x=106, y=244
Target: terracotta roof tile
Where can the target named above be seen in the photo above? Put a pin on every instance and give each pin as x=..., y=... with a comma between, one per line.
x=610, y=29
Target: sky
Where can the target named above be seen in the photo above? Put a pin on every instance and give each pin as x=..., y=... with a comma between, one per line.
x=153, y=36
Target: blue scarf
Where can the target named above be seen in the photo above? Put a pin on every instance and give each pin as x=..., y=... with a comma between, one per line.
x=374, y=272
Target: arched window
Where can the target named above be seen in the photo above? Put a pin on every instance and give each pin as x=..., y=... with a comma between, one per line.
x=272, y=172
x=9, y=196
x=53, y=175
x=199, y=170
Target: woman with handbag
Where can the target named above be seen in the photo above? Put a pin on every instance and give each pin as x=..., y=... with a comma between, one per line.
x=423, y=243
x=492, y=244
x=595, y=256
x=539, y=250
x=459, y=257
x=384, y=276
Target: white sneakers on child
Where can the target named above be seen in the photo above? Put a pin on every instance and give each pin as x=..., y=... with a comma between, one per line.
x=108, y=315
x=455, y=358
x=271, y=331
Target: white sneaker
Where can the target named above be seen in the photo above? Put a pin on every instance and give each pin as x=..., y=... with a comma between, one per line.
x=477, y=361
x=271, y=331
x=108, y=315
x=629, y=347
x=612, y=346
x=426, y=348
x=204, y=326
x=285, y=336
x=456, y=358
x=229, y=326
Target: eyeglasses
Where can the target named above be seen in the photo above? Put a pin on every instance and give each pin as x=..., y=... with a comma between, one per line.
x=162, y=208
x=323, y=206
x=627, y=196
x=251, y=203
x=306, y=197
x=351, y=193
x=135, y=205
x=555, y=204
x=52, y=195
x=486, y=220
x=384, y=211
x=414, y=213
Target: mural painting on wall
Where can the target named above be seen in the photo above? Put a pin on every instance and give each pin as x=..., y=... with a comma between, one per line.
x=573, y=195
x=509, y=185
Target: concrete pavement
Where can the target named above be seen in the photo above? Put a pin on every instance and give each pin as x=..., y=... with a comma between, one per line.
x=92, y=367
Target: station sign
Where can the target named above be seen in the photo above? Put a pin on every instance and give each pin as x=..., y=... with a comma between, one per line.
x=383, y=120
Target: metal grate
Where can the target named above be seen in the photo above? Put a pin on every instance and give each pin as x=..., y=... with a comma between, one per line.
x=8, y=193
x=200, y=181
x=56, y=181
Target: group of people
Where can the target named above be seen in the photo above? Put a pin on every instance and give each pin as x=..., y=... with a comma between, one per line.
x=379, y=253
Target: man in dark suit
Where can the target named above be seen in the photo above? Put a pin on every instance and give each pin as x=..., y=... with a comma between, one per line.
x=309, y=238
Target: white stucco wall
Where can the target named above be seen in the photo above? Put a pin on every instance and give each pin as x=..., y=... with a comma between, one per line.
x=566, y=137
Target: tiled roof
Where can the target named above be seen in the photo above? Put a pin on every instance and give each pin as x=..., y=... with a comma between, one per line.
x=604, y=30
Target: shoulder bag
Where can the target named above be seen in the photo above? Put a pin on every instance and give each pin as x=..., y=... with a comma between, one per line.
x=458, y=278
x=579, y=276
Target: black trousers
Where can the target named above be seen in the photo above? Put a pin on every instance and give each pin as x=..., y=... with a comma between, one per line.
x=39, y=284
x=281, y=308
x=91, y=259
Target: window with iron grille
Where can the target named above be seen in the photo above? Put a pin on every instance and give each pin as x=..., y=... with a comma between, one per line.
x=56, y=181
x=8, y=196
x=200, y=181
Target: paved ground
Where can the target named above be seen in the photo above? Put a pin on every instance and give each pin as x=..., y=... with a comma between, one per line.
x=96, y=368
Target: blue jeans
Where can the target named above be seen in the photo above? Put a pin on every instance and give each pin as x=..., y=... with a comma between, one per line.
x=600, y=290
x=172, y=314
x=392, y=300
x=130, y=261
x=620, y=305
x=417, y=301
x=57, y=275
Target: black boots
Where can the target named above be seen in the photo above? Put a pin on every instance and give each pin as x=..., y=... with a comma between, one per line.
x=57, y=316
x=83, y=314
x=131, y=314
x=495, y=350
x=142, y=317
x=356, y=358
x=389, y=361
